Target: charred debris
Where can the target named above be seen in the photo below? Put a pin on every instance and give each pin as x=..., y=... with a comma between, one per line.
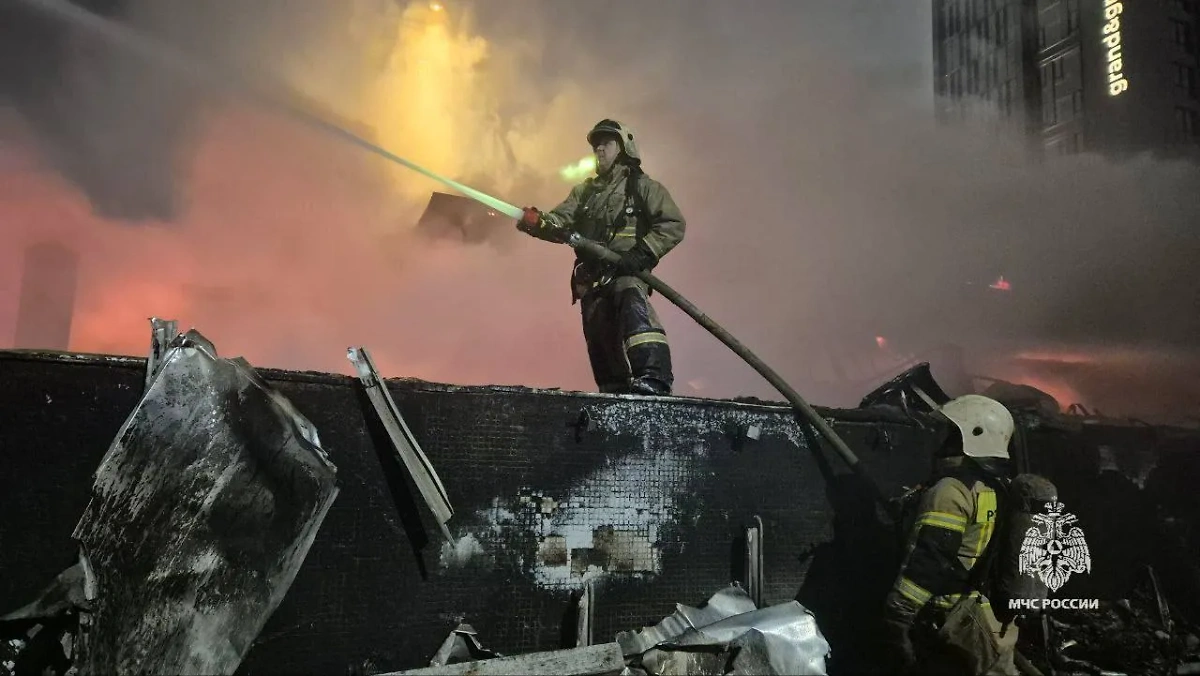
x=204, y=508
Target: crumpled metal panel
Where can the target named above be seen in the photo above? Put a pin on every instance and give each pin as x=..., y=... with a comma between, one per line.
x=913, y=391
x=730, y=636
x=727, y=602
x=202, y=511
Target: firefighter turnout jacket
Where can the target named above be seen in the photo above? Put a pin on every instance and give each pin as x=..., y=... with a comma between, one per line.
x=939, y=593
x=605, y=209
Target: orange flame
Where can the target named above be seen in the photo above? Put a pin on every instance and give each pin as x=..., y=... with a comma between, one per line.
x=291, y=248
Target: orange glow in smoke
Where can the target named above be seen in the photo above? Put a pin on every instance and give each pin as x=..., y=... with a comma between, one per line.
x=1063, y=393
x=1001, y=284
x=263, y=229
x=276, y=257
x=290, y=248
x=429, y=105
x=881, y=342
x=1059, y=357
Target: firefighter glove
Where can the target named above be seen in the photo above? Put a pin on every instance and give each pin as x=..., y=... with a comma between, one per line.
x=530, y=222
x=638, y=259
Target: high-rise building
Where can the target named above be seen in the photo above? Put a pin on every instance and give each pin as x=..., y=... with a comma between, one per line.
x=1113, y=76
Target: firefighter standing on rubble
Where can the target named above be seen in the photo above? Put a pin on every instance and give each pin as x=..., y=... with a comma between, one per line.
x=938, y=618
x=635, y=216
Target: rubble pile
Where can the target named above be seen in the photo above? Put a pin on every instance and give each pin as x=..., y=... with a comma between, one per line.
x=45, y=646
x=729, y=635
x=209, y=497
x=1128, y=636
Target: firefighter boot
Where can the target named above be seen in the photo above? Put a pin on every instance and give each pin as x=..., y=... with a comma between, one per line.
x=646, y=348
x=651, y=366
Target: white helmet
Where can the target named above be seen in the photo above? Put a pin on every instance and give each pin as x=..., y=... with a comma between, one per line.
x=986, y=425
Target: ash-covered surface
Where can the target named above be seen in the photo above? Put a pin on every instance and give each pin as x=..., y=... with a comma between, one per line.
x=201, y=514
x=646, y=498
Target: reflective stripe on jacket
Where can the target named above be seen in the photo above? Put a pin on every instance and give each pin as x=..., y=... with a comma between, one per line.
x=955, y=522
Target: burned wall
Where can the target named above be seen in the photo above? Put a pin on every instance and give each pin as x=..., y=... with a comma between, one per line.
x=645, y=498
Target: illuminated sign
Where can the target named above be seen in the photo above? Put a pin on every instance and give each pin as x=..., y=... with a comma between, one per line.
x=1112, y=39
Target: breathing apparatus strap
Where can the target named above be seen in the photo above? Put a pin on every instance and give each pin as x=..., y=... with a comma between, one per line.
x=634, y=196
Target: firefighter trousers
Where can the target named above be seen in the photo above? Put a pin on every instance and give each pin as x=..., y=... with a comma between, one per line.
x=626, y=342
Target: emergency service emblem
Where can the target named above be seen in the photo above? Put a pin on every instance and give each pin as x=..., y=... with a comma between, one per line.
x=1055, y=548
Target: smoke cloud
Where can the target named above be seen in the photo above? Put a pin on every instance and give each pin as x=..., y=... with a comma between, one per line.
x=825, y=207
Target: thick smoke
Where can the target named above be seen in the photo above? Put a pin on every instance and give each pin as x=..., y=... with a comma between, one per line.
x=825, y=207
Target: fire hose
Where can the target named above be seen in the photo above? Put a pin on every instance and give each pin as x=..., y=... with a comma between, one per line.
x=166, y=56
x=598, y=250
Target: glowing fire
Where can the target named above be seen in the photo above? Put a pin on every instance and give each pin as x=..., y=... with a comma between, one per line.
x=1001, y=284
x=1060, y=357
x=1062, y=392
x=278, y=255
x=430, y=104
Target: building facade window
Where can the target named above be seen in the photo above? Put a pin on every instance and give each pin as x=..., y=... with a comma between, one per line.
x=1185, y=79
x=1181, y=32
x=1187, y=122
x=1058, y=69
x=1065, y=109
x=1065, y=145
